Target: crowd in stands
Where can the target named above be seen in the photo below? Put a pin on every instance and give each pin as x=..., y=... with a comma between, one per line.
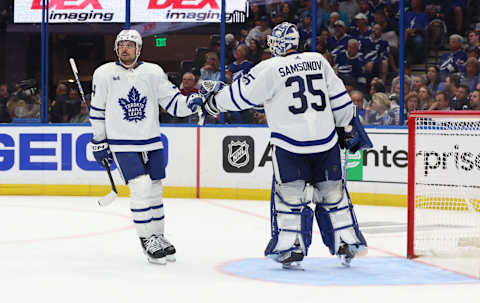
x=360, y=39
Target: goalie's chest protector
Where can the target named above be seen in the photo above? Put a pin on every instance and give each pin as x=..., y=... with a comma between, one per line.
x=132, y=109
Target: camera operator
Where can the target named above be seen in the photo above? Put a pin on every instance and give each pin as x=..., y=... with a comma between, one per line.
x=24, y=102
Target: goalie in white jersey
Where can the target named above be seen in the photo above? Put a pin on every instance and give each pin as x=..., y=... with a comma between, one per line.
x=125, y=118
x=304, y=102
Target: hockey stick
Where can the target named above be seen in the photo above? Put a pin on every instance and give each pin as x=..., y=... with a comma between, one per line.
x=108, y=199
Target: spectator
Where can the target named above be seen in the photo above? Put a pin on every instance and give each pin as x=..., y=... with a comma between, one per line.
x=334, y=17
x=376, y=5
x=425, y=97
x=4, y=95
x=82, y=116
x=452, y=82
x=334, y=8
x=57, y=107
x=377, y=111
x=389, y=30
x=266, y=54
x=72, y=104
x=350, y=7
x=254, y=53
x=350, y=65
x=196, y=72
x=362, y=29
x=259, y=32
x=474, y=41
x=460, y=100
x=375, y=51
x=240, y=65
x=475, y=100
x=288, y=13
x=433, y=78
x=452, y=61
x=358, y=100
x=441, y=102
x=417, y=82
x=338, y=43
x=365, y=9
x=210, y=70
x=256, y=12
x=469, y=76
x=230, y=45
x=188, y=84
x=376, y=86
x=321, y=9
x=416, y=21
x=305, y=29
x=412, y=102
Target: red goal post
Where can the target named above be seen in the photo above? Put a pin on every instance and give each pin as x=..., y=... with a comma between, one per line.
x=443, y=183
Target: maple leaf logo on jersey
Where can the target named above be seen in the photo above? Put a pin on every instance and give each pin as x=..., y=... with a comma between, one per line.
x=134, y=107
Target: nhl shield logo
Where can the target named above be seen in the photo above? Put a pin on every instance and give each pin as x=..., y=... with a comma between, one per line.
x=238, y=154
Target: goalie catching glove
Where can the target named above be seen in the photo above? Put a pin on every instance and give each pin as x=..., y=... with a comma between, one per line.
x=353, y=136
x=206, y=97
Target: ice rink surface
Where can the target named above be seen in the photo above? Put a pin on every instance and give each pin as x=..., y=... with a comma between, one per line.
x=67, y=249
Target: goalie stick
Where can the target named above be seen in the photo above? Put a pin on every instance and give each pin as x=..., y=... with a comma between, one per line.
x=108, y=199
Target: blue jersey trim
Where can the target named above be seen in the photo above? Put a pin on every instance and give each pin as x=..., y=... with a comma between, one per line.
x=96, y=108
x=338, y=95
x=241, y=96
x=340, y=107
x=96, y=118
x=304, y=143
x=134, y=142
x=233, y=98
x=142, y=221
x=170, y=103
x=138, y=210
x=158, y=219
x=157, y=206
x=175, y=109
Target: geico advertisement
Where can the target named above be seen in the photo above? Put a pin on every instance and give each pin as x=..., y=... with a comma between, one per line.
x=440, y=160
x=98, y=11
x=70, y=11
x=62, y=155
x=235, y=157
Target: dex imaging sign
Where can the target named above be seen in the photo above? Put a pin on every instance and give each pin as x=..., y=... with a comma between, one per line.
x=108, y=11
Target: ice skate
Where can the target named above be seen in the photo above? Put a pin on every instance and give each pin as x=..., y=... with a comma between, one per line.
x=153, y=248
x=291, y=260
x=168, y=248
x=347, y=252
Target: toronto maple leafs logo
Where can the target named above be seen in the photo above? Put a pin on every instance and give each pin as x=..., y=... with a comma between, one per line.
x=134, y=107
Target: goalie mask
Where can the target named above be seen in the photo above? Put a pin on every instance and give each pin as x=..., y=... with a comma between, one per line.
x=283, y=37
x=129, y=35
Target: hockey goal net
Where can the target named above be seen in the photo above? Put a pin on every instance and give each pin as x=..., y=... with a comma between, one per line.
x=444, y=184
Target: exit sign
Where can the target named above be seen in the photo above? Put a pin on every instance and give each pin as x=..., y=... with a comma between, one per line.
x=160, y=42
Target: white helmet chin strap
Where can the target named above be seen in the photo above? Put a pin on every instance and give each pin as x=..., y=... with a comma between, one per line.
x=134, y=61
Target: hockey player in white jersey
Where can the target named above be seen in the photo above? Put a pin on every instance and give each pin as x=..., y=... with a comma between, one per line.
x=304, y=102
x=125, y=118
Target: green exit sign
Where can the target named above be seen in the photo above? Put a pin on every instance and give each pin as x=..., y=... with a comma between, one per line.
x=160, y=42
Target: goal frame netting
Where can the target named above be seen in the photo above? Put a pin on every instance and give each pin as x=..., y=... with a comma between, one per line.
x=412, y=136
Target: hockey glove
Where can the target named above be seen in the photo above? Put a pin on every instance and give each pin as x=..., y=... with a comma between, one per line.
x=208, y=90
x=355, y=136
x=195, y=101
x=101, y=152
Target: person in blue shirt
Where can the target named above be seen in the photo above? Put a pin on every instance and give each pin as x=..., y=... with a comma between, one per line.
x=375, y=51
x=362, y=29
x=338, y=42
x=452, y=61
x=350, y=65
x=416, y=22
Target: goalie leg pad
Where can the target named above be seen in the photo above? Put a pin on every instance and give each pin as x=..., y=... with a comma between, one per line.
x=336, y=220
x=291, y=219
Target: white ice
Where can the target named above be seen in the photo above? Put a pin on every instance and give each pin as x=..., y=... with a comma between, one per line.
x=68, y=249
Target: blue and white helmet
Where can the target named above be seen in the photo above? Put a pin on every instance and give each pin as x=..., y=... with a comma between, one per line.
x=283, y=37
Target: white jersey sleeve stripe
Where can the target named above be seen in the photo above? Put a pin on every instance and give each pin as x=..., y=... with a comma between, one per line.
x=133, y=142
x=233, y=98
x=171, y=101
x=304, y=143
x=338, y=95
x=241, y=96
x=97, y=109
x=96, y=118
x=342, y=106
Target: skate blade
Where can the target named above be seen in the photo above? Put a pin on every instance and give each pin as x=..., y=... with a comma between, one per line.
x=171, y=258
x=293, y=266
x=159, y=261
x=345, y=261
